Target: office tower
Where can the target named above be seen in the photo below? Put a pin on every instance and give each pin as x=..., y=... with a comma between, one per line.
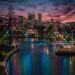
x=39, y=16
x=31, y=16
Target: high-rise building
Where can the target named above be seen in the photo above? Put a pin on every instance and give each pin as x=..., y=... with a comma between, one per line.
x=21, y=19
x=39, y=16
x=31, y=16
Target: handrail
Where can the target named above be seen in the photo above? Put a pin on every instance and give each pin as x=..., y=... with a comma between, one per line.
x=7, y=58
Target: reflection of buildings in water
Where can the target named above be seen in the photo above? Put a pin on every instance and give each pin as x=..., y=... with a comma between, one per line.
x=46, y=50
x=72, y=65
x=57, y=63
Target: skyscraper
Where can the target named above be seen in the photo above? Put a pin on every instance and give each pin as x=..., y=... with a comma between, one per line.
x=39, y=16
x=21, y=19
x=31, y=16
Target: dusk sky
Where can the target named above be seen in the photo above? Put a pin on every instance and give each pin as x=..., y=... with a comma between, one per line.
x=63, y=10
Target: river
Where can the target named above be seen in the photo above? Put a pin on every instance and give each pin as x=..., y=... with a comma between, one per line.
x=37, y=58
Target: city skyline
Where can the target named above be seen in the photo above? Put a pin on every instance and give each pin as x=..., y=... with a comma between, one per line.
x=50, y=9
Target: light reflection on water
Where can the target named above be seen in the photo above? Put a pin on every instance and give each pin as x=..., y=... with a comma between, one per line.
x=37, y=59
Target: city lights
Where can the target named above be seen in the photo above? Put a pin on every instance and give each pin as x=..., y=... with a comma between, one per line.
x=37, y=37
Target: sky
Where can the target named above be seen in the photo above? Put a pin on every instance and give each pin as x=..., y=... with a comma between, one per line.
x=62, y=10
